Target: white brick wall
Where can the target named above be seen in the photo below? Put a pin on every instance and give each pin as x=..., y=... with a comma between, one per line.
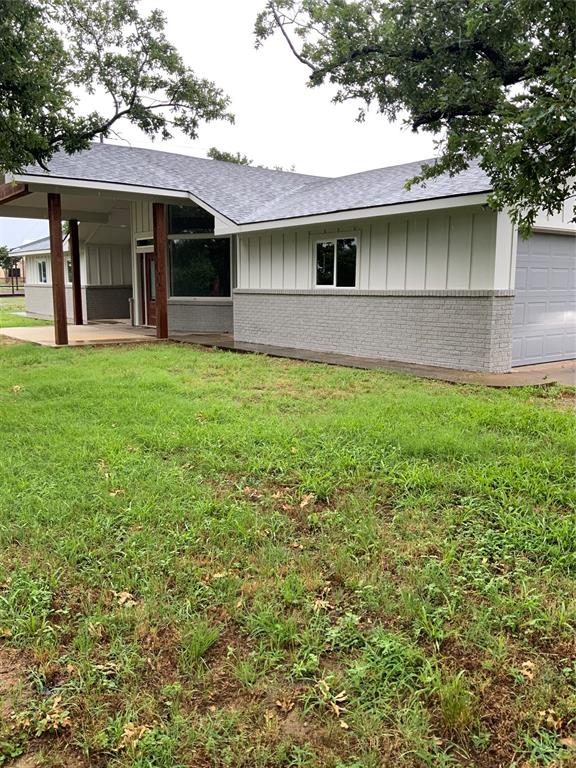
x=467, y=331
x=200, y=316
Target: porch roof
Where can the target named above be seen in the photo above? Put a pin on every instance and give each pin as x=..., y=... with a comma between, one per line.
x=246, y=194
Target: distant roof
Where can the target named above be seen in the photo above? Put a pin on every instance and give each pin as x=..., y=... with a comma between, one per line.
x=35, y=246
x=246, y=194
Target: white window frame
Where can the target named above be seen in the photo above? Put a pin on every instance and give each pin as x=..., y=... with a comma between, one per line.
x=326, y=238
x=144, y=236
x=203, y=299
x=42, y=272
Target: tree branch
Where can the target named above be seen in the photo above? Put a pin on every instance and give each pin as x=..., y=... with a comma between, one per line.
x=298, y=55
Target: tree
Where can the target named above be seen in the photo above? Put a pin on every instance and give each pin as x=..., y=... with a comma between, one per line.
x=52, y=50
x=7, y=262
x=5, y=258
x=229, y=157
x=493, y=80
x=235, y=157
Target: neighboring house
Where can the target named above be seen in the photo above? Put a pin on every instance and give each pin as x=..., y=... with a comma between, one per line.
x=105, y=268
x=356, y=264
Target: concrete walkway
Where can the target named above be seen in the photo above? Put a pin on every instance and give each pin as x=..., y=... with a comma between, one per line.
x=83, y=335
x=529, y=375
x=120, y=332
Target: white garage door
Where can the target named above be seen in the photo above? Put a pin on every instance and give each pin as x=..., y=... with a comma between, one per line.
x=544, y=322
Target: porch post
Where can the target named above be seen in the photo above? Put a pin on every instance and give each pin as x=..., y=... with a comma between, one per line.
x=76, y=280
x=57, y=262
x=161, y=253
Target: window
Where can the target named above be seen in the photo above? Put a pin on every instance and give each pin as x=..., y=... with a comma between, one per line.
x=200, y=267
x=42, y=276
x=189, y=220
x=336, y=263
x=69, y=270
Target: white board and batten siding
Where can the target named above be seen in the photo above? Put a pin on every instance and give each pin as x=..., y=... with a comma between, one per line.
x=108, y=264
x=560, y=222
x=99, y=265
x=141, y=217
x=436, y=251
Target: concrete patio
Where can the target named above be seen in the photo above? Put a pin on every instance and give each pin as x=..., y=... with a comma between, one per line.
x=83, y=335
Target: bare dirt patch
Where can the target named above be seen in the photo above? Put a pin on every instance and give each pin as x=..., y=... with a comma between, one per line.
x=12, y=681
x=15, y=694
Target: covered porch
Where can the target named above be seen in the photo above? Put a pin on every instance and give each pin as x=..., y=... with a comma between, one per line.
x=80, y=283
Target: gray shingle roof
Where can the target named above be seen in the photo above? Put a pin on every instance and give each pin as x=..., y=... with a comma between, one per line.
x=246, y=194
x=384, y=186
x=32, y=247
x=233, y=190
x=37, y=246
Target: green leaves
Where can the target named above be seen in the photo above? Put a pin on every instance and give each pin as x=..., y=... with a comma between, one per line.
x=493, y=80
x=50, y=49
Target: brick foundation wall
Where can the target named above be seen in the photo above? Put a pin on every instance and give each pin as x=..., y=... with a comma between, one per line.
x=469, y=330
x=200, y=316
x=99, y=302
x=108, y=302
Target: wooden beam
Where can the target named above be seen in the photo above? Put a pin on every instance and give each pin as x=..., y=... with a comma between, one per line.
x=57, y=262
x=10, y=190
x=76, y=278
x=161, y=253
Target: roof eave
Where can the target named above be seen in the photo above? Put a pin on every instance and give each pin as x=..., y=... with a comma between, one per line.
x=159, y=194
x=389, y=209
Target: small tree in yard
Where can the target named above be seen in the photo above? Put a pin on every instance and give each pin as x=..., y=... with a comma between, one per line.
x=492, y=79
x=8, y=264
x=51, y=50
x=5, y=260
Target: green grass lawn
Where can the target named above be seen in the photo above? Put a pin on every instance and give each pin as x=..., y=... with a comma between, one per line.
x=9, y=317
x=210, y=559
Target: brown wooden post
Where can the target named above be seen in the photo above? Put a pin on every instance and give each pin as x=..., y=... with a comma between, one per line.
x=76, y=280
x=57, y=261
x=161, y=254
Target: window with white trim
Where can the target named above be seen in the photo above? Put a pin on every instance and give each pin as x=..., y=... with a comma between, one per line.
x=200, y=267
x=336, y=262
x=42, y=275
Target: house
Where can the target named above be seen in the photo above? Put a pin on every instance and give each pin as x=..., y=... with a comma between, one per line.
x=356, y=264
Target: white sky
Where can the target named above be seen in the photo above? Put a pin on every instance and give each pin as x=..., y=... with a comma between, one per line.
x=279, y=120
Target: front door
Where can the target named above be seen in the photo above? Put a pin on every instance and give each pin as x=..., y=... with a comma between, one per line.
x=149, y=264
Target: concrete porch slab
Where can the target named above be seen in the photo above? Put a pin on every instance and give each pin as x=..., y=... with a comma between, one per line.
x=531, y=375
x=83, y=335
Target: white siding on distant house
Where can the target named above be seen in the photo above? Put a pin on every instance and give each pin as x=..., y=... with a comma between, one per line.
x=32, y=268
x=32, y=274
x=439, y=250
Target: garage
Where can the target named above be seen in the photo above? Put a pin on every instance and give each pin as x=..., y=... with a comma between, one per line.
x=544, y=320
